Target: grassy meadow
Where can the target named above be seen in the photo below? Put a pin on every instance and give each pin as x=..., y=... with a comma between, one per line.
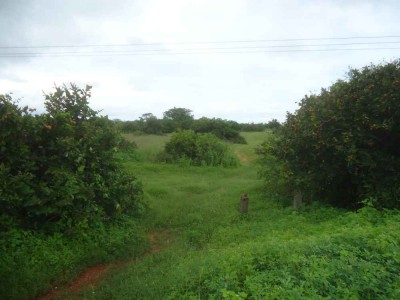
x=207, y=250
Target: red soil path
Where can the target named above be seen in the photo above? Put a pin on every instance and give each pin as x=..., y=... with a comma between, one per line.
x=93, y=275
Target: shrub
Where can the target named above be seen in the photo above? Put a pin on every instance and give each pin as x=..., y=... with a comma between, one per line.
x=226, y=130
x=343, y=145
x=57, y=170
x=198, y=149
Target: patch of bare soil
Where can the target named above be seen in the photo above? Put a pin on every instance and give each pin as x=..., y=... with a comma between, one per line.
x=242, y=157
x=92, y=276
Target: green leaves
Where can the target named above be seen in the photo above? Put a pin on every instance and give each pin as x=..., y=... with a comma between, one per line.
x=72, y=100
x=223, y=129
x=58, y=170
x=342, y=145
x=198, y=149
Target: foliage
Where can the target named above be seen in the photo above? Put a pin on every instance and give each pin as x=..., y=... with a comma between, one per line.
x=57, y=170
x=128, y=126
x=272, y=253
x=31, y=263
x=181, y=119
x=273, y=124
x=343, y=145
x=73, y=101
x=224, y=129
x=252, y=127
x=198, y=149
x=149, y=124
x=177, y=118
x=273, y=171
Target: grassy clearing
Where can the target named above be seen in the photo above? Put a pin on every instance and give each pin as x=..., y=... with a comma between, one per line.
x=272, y=253
x=148, y=145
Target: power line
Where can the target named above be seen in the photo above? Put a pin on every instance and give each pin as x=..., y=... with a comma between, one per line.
x=202, y=48
x=207, y=50
x=82, y=54
x=201, y=42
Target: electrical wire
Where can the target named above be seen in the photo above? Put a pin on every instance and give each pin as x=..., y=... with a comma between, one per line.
x=202, y=42
x=81, y=54
x=201, y=49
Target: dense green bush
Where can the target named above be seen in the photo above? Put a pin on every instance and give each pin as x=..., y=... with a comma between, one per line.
x=57, y=170
x=198, y=149
x=343, y=145
x=359, y=265
x=226, y=130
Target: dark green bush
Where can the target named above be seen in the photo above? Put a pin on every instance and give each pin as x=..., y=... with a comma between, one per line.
x=252, y=127
x=343, y=145
x=198, y=149
x=226, y=130
x=57, y=170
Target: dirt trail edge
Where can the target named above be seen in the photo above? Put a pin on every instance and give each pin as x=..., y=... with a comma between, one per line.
x=90, y=277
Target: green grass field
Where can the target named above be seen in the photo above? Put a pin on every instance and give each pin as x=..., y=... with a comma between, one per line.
x=207, y=250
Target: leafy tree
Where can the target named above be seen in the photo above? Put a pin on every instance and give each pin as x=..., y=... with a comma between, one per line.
x=177, y=118
x=57, y=170
x=343, y=145
x=273, y=124
x=150, y=124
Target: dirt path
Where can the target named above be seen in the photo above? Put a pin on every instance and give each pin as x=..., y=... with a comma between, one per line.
x=242, y=157
x=91, y=277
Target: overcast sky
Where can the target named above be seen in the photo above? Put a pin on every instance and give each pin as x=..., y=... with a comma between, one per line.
x=252, y=86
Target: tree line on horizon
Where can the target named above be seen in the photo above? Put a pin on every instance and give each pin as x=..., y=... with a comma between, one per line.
x=178, y=118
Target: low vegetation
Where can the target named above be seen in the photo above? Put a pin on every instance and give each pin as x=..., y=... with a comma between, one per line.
x=273, y=252
x=68, y=200
x=33, y=262
x=198, y=149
